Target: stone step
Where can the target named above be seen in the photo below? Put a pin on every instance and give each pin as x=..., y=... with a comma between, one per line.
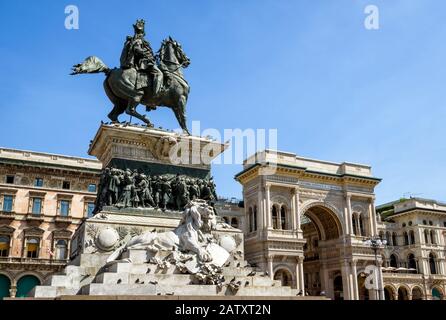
x=51, y=291
x=236, y=271
x=90, y=260
x=265, y=291
x=148, y=289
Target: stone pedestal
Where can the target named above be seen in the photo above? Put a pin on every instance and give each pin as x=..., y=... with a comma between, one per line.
x=154, y=151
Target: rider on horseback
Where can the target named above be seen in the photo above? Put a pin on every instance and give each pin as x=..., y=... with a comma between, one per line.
x=138, y=54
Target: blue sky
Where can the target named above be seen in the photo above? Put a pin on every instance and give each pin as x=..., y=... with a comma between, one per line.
x=334, y=90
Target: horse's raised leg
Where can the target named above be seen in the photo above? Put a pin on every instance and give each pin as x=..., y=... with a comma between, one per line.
x=180, y=114
x=131, y=110
x=117, y=110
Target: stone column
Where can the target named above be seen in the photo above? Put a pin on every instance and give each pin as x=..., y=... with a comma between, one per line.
x=301, y=274
x=346, y=283
x=293, y=213
x=355, y=281
x=268, y=207
x=297, y=275
x=260, y=211
x=382, y=296
x=374, y=228
x=346, y=222
x=270, y=267
x=297, y=208
x=349, y=214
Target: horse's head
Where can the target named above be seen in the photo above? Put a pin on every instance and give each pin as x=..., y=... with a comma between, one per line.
x=90, y=65
x=171, y=52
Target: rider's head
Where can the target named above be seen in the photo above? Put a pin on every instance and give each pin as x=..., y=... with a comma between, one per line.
x=139, y=27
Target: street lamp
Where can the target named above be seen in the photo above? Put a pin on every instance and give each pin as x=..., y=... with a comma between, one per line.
x=376, y=243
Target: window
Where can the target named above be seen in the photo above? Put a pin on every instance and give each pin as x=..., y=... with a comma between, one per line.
x=361, y=226
x=433, y=239
x=90, y=208
x=394, y=241
x=283, y=224
x=7, y=203
x=444, y=224
x=404, y=225
x=92, y=187
x=431, y=223
x=10, y=179
x=4, y=246
x=393, y=261
x=37, y=206
x=234, y=223
x=412, y=237
x=66, y=185
x=411, y=263
x=424, y=222
x=61, y=249
x=406, y=239
x=354, y=225
x=255, y=217
x=32, y=248
x=64, y=208
x=410, y=223
x=38, y=182
x=432, y=264
x=426, y=236
x=275, y=218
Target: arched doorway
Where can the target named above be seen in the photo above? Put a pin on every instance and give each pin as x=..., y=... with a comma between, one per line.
x=389, y=293
x=5, y=285
x=26, y=284
x=362, y=290
x=403, y=294
x=417, y=294
x=437, y=294
x=338, y=288
x=321, y=230
x=284, y=276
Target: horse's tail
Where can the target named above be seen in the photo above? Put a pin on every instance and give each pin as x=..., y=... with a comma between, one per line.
x=90, y=65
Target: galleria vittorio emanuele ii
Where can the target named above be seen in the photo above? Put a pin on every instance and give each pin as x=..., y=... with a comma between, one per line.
x=222, y=159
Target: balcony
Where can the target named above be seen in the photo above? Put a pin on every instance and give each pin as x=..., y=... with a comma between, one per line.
x=32, y=261
x=34, y=217
x=7, y=215
x=63, y=219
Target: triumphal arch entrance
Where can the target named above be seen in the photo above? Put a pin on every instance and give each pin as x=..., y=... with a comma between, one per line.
x=307, y=222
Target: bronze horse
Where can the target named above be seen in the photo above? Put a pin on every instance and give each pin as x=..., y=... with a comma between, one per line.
x=120, y=85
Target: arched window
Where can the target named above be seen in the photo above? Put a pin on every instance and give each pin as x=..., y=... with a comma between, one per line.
x=283, y=222
x=432, y=264
x=255, y=218
x=394, y=240
x=436, y=294
x=402, y=294
x=32, y=248
x=275, y=218
x=26, y=284
x=361, y=226
x=426, y=236
x=284, y=276
x=234, y=222
x=411, y=263
x=412, y=237
x=417, y=294
x=225, y=219
x=61, y=249
x=433, y=239
x=4, y=246
x=389, y=239
x=250, y=220
x=406, y=238
x=354, y=225
x=381, y=235
x=389, y=293
x=393, y=261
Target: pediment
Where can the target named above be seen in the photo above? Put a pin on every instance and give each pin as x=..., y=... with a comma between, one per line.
x=4, y=229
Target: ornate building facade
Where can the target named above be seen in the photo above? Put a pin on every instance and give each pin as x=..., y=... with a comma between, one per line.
x=414, y=257
x=43, y=198
x=307, y=222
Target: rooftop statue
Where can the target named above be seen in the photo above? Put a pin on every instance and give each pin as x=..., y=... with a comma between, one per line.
x=144, y=77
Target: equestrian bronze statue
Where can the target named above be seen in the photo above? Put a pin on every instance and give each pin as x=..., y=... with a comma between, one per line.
x=144, y=77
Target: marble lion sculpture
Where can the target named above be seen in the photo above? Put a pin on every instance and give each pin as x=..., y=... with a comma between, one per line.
x=198, y=217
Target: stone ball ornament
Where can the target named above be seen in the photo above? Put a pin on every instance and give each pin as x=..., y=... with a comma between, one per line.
x=106, y=239
x=228, y=243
